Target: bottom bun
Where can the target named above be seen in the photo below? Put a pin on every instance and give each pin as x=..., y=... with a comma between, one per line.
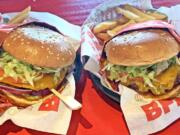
x=8, y=99
x=175, y=92
x=169, y=95
x=21, y=101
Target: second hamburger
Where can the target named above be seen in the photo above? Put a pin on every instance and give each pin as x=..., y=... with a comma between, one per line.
x=144, y=60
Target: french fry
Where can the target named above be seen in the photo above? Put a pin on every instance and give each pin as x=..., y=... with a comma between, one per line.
x=101, y=27
x=157, y=15
x=138, y=12
x=103, y=36
x=129, y=14
x=20, y=17
x=114, y=31
x=122, y=20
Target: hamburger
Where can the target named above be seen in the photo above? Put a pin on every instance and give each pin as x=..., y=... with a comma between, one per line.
x=144, y=60
x=34, y=58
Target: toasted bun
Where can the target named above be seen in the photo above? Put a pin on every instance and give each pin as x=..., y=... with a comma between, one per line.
x=141, y=47
x=22, y=101
x=39, y=46
x=170, y=94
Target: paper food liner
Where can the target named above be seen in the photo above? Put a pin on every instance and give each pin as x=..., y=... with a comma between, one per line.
x=138, y=120
x=50, y=115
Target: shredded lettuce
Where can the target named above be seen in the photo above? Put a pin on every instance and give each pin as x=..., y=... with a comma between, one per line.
x=178, y=60
x=24, y=71
x=147, y=72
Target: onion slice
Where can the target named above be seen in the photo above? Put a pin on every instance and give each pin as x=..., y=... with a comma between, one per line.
x=15, y=90
x=19, y=91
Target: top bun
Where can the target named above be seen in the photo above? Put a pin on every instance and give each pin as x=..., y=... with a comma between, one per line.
x=39, y=46
x=142, y=47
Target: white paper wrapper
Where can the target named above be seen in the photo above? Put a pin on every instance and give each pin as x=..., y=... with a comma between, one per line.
x=62, y=25
x=145, y=116
x=51, y=115
x=131, y=106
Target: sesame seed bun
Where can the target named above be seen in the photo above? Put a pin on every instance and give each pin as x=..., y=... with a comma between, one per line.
x=141, y=47
x=39, y=46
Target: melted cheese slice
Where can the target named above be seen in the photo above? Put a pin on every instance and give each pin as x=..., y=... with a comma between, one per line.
x=47, y=81
x=165, y=81
x=168, y=77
